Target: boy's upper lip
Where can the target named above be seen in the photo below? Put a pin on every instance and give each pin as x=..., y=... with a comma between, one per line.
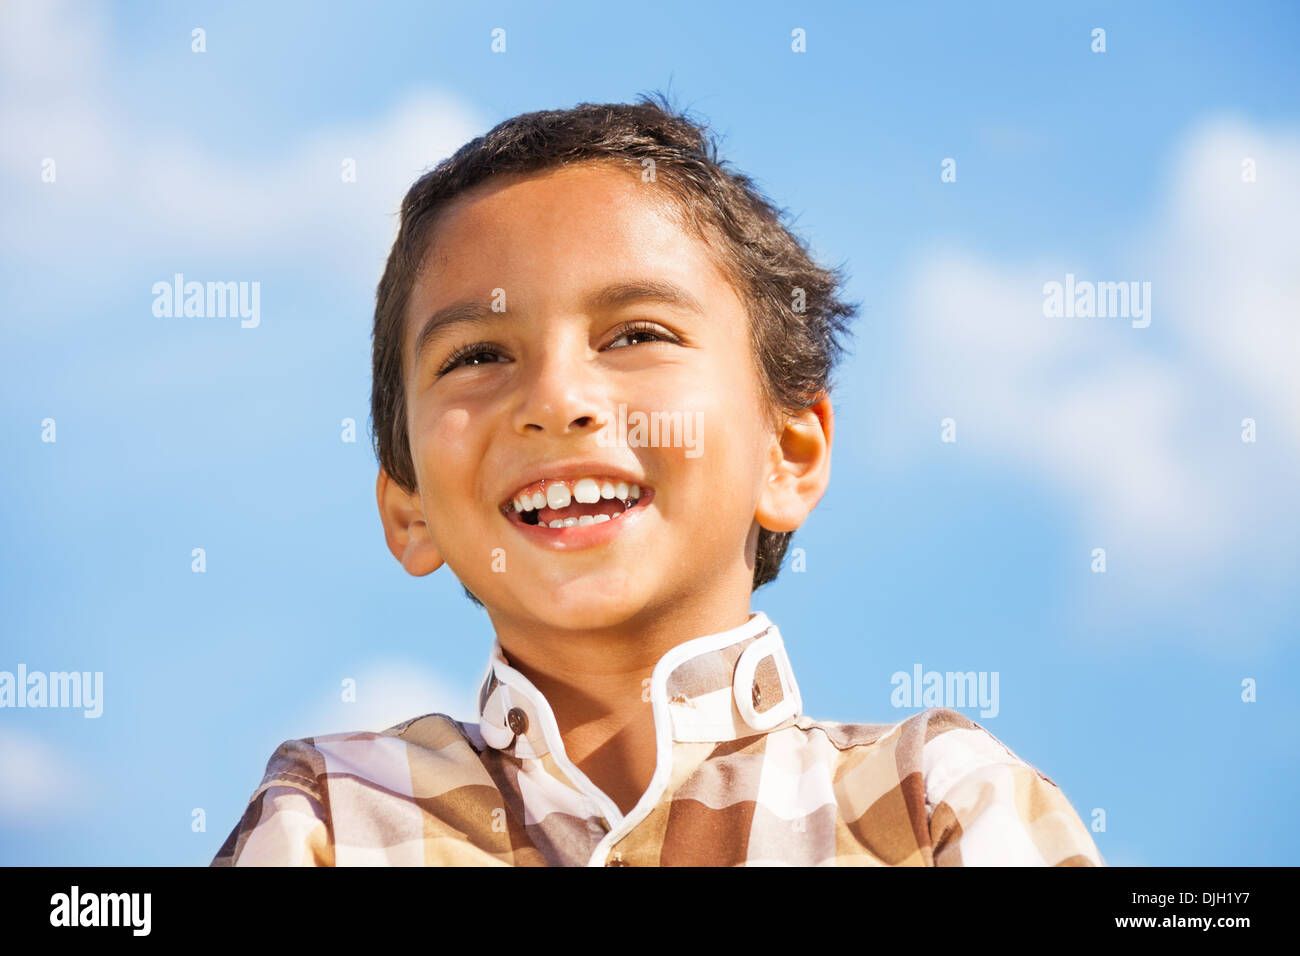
x=566, y=470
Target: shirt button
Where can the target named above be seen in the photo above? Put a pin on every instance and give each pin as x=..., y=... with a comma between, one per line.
x=517, y=720
x=616, y=860
x=758, y=696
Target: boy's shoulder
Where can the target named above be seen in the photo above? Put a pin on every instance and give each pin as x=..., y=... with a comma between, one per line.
x=387, y=757
x=940, y=774
x=350, y=792
x=942, y=744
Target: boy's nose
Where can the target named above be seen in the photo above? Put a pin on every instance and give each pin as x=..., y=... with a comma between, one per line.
x=564, y=392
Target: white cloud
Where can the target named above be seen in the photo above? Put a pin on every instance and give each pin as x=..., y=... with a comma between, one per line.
x=1232, y=261
x=387, y=692
x=1138, y=429
x=130, y=185
x=38, y=784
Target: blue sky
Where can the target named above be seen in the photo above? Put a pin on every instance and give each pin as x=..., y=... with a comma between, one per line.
x=1124, y=687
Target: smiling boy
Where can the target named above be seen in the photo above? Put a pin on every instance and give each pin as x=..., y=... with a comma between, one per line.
x=551, y=279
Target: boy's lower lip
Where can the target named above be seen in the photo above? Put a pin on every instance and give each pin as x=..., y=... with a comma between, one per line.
x=580, y=536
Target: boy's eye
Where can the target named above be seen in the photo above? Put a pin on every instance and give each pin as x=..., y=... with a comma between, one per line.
x=465, y=355
x=639, y=329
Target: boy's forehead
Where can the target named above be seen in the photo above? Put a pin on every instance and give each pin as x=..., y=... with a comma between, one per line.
x=538, y=217
x=557, y=234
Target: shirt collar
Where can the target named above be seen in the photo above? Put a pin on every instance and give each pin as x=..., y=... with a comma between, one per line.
x=719, y=687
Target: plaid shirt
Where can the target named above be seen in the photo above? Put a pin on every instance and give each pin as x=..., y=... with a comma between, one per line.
x=742, y=778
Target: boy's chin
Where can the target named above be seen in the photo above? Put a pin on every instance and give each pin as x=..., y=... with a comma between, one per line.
x=584, y=604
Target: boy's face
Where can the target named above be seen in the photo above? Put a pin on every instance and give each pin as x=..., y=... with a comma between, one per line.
x=544, y=392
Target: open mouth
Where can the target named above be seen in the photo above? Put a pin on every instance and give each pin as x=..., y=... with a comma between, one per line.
x=561, y=503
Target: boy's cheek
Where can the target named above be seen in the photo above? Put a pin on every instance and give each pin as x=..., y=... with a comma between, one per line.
x=441, y=433
x=443, y=454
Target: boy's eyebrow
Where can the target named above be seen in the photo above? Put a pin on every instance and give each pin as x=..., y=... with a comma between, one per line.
x=608, y=297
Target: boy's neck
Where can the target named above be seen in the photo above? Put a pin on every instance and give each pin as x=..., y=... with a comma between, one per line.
x=595, y=682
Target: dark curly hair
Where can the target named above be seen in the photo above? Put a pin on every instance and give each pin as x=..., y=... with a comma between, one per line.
x=796, y=315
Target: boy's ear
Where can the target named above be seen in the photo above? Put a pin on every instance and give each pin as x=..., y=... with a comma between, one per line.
x=800, y=468
x=404, y=528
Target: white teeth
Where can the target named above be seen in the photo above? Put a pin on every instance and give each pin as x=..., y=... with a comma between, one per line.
x=559, y=493
x=582, y=520
x=558, y=496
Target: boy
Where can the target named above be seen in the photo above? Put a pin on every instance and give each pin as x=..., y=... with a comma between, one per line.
x=568, y=275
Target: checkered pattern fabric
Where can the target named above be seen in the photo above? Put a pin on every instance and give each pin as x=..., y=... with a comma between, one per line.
x=743, y=778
